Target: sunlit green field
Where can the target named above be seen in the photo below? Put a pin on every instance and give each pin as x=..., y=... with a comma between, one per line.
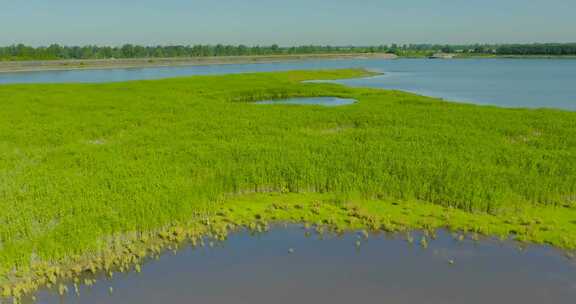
x=80, y=163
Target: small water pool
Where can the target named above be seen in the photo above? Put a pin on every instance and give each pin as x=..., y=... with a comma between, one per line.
x=322, y=101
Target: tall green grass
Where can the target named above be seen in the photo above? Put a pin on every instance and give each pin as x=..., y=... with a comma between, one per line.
x=80, y=162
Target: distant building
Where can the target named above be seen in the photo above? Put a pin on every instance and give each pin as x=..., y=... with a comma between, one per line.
x=442, y=56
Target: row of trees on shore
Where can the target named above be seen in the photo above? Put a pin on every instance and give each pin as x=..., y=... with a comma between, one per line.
x=55, y=51
x=23, y=52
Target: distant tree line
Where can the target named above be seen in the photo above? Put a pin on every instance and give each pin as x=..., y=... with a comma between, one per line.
x=554, y=49
x=55, y=51
x=546, y=49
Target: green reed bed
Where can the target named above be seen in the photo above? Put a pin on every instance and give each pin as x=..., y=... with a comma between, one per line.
x=82, y=163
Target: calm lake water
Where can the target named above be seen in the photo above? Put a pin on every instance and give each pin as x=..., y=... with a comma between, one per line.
x=383, y=269
x=530, y=83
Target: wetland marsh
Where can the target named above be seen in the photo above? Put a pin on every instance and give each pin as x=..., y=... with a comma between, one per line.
x=96, y=177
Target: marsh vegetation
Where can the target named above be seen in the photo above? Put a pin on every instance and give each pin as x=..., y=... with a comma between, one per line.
x=95, y=177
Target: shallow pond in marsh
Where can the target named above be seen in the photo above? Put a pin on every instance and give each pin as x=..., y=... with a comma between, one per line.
x=322, y=101
x=529, y=83
x=287, y=265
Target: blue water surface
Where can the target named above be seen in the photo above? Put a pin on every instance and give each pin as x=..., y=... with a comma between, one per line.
x=533, y=83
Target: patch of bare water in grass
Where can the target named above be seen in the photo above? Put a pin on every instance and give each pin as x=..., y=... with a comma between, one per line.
x=322, y=101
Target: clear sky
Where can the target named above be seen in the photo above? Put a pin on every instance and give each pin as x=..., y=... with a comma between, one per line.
x=285, y=22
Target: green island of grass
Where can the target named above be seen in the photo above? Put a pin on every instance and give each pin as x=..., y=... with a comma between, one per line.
x=96, y=177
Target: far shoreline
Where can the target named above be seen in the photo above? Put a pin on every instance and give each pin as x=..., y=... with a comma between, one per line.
x=97, y=64
x=132, y=63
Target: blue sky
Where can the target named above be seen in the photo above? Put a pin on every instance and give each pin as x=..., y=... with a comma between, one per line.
x=286, y=22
